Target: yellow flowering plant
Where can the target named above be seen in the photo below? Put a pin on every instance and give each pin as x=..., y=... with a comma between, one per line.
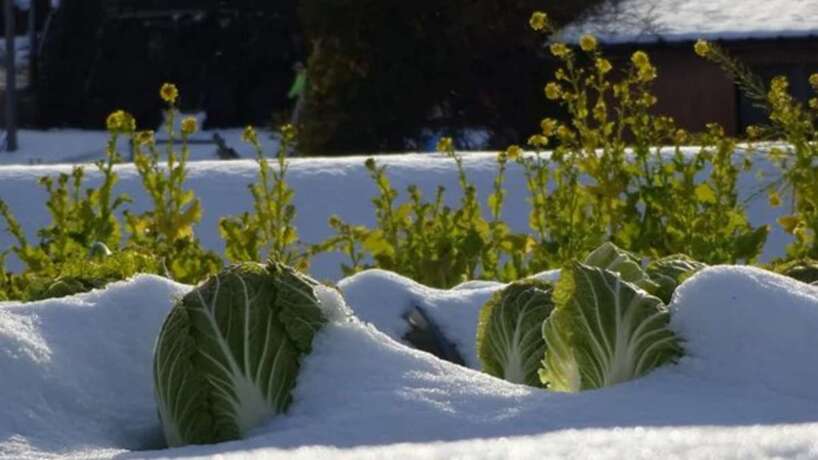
x=797, y=125
x=79, y=249
x=609, y=177
x=268, y=231
x=431, y=242
x=167, y=229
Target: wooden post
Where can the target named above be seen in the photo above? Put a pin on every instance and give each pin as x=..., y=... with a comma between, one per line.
x=11, y=80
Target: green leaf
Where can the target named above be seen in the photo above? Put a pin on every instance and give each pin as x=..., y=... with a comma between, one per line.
x=617, y=260
x=749, y=244
x=804, y=270
x=603, y=331
x=228, y=354
x=670, y=272
x=509, y=338
x=377, y=244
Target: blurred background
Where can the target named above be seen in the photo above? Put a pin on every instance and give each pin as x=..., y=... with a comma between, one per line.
x=383, y=75
x=376, y=75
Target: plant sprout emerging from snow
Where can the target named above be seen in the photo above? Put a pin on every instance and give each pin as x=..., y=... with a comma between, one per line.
x=509, y=338
x=228, y=354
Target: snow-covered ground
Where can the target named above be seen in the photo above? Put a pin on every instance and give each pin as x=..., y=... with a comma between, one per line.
x=59, y=146
x=76, y=383
x=75, y=373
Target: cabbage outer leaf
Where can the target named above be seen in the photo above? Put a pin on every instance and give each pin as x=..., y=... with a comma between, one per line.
x=603, y=331
x=509, y=338
x=228, y=354
x=611, y=257
x=669, y=272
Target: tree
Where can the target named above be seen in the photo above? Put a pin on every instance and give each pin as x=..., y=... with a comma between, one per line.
x=383, y=70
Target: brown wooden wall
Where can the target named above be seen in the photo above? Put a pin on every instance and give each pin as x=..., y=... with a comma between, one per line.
x=696, y=92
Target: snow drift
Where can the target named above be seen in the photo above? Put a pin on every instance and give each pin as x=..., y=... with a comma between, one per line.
x=76, y=382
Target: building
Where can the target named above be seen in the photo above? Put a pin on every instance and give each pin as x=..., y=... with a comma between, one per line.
x=773, y=37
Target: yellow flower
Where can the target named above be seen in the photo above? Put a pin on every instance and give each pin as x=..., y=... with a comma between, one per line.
x=145, y=138
x=288, y=133
x=249, y=135
x=681, y=137
x=120, y=121
x=189, y=126
x=538, y=21
x=553, y=91
x=603, y=65
x=559, y=50
x=779, y=84
x=702, y=48
x=753, y=132
x=129, y=123
x=789, y=223
x=588, y=43
x=775, y=199
x=538, y=140
x=640, y=59
x=813, y=80
x=600, y=110
x=514, y=152
x=445, y=145
x=647, y=73
x=115, y=120
x=548, y=125
x=649, y=100
x=564, y=132
x=169, y=93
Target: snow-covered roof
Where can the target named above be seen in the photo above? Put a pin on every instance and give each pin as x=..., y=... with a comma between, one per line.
x=647, y=21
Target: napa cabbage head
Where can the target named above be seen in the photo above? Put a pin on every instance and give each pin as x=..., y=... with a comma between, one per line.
x=510, y=344
x=229, y=352
x=603, y=331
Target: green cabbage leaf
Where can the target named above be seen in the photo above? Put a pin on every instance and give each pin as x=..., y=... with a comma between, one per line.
x=510, y=344
x=603, y=331
x=670, y=272
x=228, y=354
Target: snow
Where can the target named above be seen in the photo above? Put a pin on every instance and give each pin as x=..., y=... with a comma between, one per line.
x=648, y=21
x=325, y=187
x=77, y=371
x=382, y=298
x=77, y=384
x=85, y=146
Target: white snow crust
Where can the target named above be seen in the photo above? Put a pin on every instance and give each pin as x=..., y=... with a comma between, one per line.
x=648, y=21
x=76, y=384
